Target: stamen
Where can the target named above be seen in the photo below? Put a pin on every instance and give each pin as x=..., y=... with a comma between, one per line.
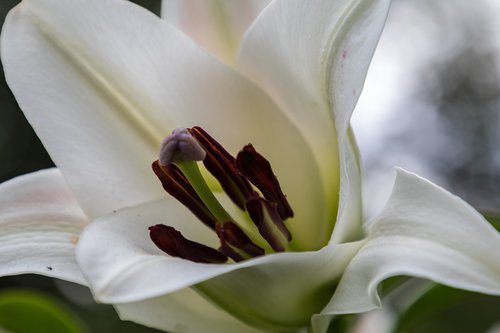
x=180, y=146
x=235, y=243
x=180, y=176
x=223, y=167
x=258, y=171
x=173, y=243
x=176, y=184
x=271, y=227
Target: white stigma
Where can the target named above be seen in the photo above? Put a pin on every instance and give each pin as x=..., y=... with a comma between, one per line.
x=180, y=146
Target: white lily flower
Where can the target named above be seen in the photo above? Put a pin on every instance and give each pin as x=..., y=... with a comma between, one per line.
x=103, y=82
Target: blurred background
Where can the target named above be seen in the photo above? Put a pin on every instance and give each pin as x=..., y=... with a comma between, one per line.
x=431, y=104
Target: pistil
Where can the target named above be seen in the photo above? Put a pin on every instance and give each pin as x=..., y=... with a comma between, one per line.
x=192, y=173
x=180, y=146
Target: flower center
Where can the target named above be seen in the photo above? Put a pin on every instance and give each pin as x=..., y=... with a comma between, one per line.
x=248, y=180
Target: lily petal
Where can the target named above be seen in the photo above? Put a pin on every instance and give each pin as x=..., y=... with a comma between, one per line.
x=68, y=78
x=216, y=25
x=182, y=311
x=133, y=269
x=103, y=81
x=40, y=222
x=426, y=232
x=313, y=60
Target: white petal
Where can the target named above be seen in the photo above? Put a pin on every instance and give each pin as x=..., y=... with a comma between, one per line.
x=102, y=81
x=350, y=215
x=263, y=290
x=40, y=222
x=313, y=59
x=216, y=25
x=80, y=89
x=182, y=311
x=426, y=232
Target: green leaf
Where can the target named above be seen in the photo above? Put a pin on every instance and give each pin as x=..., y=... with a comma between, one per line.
x=26, y=311
x=443, y=309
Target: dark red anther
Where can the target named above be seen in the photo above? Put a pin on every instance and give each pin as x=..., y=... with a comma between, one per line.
x=222, y=166
x=235, y=243
x=271, y=227
x=176, y=184
x=173, y=243
x=258, y=171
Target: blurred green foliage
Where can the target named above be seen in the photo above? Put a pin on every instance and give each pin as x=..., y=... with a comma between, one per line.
x=443, y=309
x=98, y=318
x=493, y=218
x=28, y=311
